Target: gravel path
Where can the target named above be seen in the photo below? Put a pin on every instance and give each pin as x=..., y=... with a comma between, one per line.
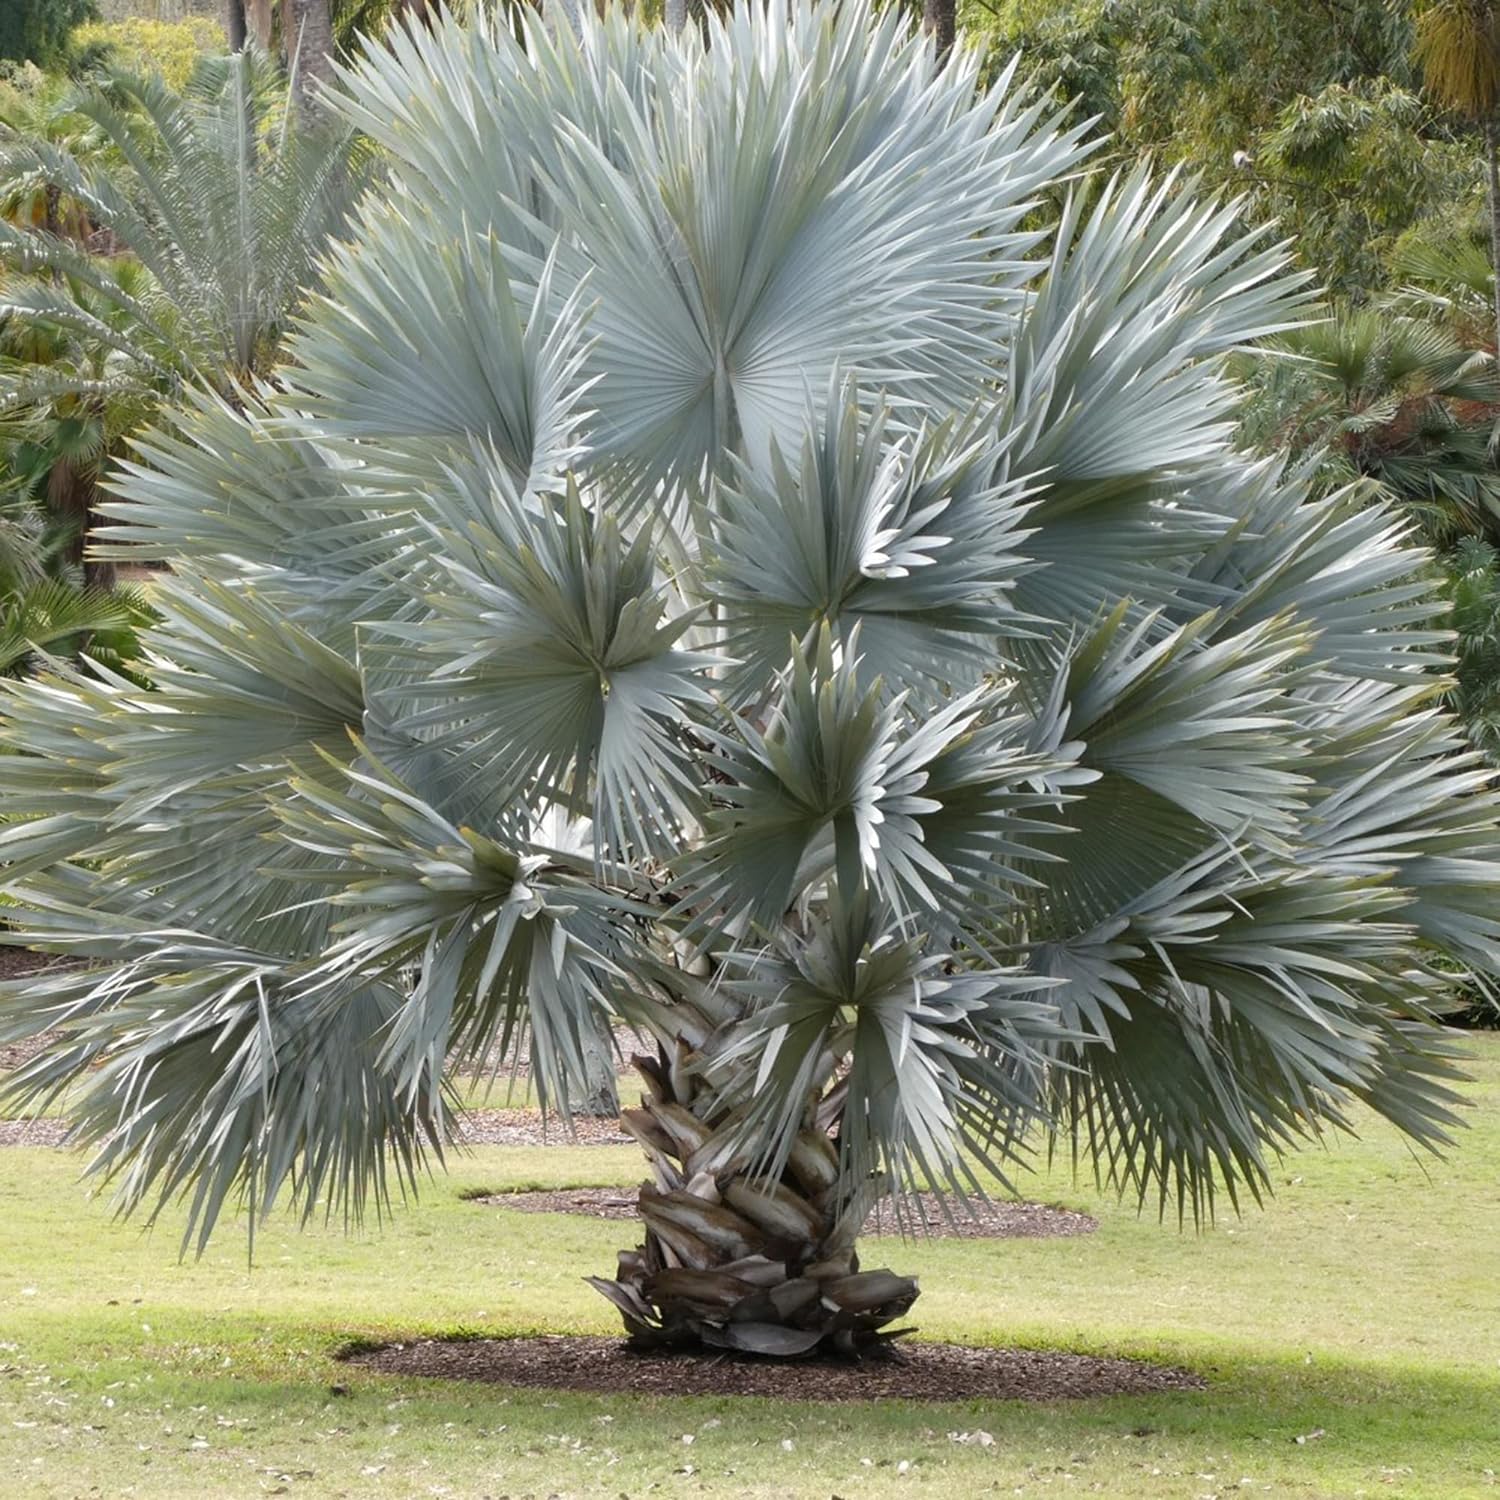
x=17, y=963
x=48, y=1132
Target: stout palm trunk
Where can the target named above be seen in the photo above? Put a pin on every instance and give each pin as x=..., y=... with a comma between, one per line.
x=309, y=47
x=763, y=1263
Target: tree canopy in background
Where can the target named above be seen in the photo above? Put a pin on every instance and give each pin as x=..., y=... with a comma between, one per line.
x=37, y=30
x=1313, y=109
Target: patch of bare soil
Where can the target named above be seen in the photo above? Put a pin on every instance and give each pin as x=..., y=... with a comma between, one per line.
x=981, y=1220
x=917, y=1372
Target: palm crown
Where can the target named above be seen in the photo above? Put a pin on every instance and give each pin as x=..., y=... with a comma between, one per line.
x=715, y=563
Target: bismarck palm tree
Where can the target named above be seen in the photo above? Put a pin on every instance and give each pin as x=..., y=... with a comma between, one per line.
x=713, y=563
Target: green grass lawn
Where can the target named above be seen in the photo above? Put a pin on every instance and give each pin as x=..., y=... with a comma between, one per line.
x=1360, y=1312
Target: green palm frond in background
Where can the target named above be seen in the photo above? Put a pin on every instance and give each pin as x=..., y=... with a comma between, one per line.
x=158, y=240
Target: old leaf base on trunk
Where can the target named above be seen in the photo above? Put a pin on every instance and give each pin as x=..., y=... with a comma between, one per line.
x=755, y=1266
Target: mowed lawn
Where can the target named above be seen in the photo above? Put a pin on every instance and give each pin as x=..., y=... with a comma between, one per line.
x=1350, y=1334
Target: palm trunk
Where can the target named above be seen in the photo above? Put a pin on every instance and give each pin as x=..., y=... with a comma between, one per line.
x=940, y=20
x=1492, y=157
x=234, y=24
x=600, y=1100
x=260, y=20
x=71, y=493
x=735, y=1263
x=562, y=14
x=310, y=46
x=674, y=13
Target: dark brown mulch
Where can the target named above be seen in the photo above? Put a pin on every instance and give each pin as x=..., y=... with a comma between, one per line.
x=16, y=962
x=991, y=1220
x=923, y=1372
x=16, y=1054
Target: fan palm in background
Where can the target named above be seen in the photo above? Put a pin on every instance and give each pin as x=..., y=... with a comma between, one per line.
x=1458, y=48
x=43, y=608
x=714, y=564
x=1398, y=401
x=1443, y=273
x=1474, y=572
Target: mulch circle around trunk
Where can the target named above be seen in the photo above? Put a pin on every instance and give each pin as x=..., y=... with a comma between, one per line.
x=480, y=1127
x=982, y=1221
x=922, y=1372
x=43, y=1132
x=525, y=1127
x=18, y=963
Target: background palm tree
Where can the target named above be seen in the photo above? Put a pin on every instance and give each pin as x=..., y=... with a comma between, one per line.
x=1458, y=49
x=1398, y=406
x=1396, y=401
x=715, y=563
x=1474, y=569
x=1443, y=273
x=44, y=606
x=213, y=206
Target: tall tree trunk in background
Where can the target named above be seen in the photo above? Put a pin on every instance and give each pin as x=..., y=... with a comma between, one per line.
x=260, y=19
x=674, y=13
x=940, y=20
x=234, y=24
x=71, y=493
x=1492, y=158
x=309, y=49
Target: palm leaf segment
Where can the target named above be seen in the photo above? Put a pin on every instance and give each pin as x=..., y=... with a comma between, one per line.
x=712, y=566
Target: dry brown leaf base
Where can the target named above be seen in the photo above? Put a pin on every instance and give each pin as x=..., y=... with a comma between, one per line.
x=920, y=1372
